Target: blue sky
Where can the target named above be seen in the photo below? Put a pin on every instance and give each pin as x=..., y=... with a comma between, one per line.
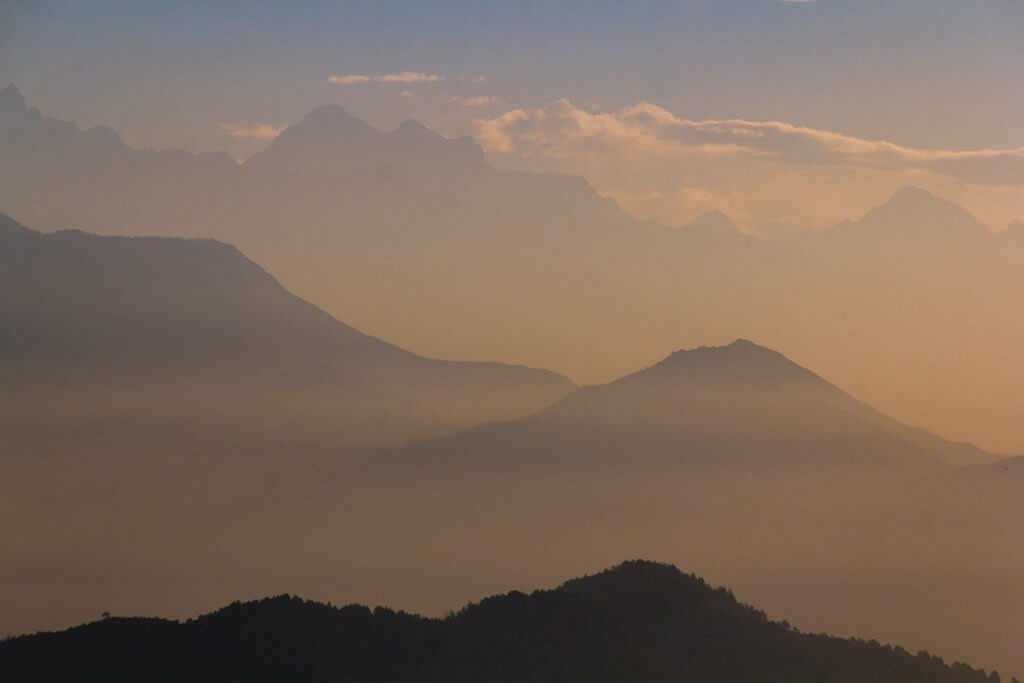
x=940, y=73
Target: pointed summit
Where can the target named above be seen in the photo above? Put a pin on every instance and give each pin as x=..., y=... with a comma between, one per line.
x=915, y=213
x=415, y=145
x=712, y=222
x=327, y=139
x=912, y=198
x=413, y=131
x=326, y=124
x=328, y=114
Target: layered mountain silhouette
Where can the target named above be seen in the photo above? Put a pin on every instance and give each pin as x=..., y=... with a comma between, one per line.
x=740, y=405
x=171, y=321
x=330, y=142
x=408, y=235
x=639, y=621
x=133, y=368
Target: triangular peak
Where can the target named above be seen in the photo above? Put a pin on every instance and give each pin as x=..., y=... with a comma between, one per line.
x=713, y=222
x=410, y=129
x=913, y=213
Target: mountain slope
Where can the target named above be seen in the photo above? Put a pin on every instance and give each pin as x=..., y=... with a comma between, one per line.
x=408, y=235
x=639, y=621
x=916, y=214
x=84, y=311
x=741, y=405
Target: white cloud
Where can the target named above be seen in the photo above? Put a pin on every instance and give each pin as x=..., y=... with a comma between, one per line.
x=667, y=168
x=561, y=129
x=244, y=129
x=399, y=77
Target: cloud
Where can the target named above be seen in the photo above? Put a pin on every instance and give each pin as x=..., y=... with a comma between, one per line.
x=244, y=129
x=667, y=168
x=399, y=77
x=479, y=101
x=562, y=130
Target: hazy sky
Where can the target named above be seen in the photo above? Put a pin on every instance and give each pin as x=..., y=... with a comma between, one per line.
x=926, y=75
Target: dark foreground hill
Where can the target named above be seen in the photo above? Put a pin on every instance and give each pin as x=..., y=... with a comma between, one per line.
x=639, y=621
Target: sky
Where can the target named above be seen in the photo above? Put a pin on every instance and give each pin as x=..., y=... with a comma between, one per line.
x=931, y=77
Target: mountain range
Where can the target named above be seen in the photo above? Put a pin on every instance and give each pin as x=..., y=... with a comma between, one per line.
x=170, y=410
x=415, y=238
x=178, y=426
x=638, y=621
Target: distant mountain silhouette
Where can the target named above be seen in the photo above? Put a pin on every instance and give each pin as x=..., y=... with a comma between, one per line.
x=712, y=223
x=737, y=405
x=915, y=215
x=457, y=259
x=85, y=313
x=639, y=621
x=915, y=208
x=330, y=141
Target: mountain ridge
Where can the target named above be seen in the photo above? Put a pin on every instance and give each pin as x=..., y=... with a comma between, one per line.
x=639, y=620
x=532, y=258
x=923, y=216
x=740, y=406
x=149, y=302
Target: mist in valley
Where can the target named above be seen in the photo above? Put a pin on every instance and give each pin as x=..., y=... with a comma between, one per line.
x=768, y=339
